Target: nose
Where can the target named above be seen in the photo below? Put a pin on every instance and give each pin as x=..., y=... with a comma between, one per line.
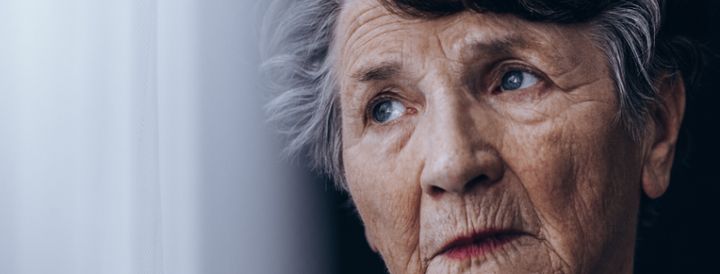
x=458, y=154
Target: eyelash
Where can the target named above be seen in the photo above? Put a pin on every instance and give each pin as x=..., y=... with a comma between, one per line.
x=384, y=96
x=496, y=86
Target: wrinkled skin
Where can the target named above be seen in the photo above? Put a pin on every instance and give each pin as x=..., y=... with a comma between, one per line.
x=549, y=161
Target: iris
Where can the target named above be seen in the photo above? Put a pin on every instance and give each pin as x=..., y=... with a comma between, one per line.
x=388, y=110
x=514, y=80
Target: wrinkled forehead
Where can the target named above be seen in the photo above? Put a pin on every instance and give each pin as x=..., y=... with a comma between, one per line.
x=367, y=32
x=365, y=20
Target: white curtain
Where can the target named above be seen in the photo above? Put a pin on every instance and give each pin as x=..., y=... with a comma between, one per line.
x=133, y=140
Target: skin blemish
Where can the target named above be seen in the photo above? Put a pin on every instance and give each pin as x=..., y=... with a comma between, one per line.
x=467, y=163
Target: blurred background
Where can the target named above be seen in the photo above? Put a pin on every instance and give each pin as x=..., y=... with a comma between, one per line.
x=133, y=140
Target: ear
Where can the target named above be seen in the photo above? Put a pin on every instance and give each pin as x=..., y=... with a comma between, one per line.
x=668, y=115
x=370, y=241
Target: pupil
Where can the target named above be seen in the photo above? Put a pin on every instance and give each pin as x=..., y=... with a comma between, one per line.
x=512, y=80
x=383, y=111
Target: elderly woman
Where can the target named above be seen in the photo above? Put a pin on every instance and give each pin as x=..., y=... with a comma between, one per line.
x=487, y=136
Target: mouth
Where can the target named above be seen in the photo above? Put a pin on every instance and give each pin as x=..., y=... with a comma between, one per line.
x=478, y=244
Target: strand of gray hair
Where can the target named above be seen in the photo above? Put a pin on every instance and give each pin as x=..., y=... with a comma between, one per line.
x=297, y=42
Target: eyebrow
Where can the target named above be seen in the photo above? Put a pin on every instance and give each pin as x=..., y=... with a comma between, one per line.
x=380, y=72
x=495, y=47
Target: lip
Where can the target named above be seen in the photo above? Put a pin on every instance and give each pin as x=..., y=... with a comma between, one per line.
x=478, y=244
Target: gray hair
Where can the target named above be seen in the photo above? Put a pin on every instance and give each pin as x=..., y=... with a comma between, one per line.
x=297, y=40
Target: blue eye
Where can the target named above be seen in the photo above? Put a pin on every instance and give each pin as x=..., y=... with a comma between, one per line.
x=517, y=80
x=388, y=110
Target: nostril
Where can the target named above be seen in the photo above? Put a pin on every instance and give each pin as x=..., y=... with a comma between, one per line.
x=458, y=171
x=459, y=181
x=435, y=190
x=477, y=181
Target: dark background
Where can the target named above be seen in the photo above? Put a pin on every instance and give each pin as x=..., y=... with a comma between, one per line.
x=684, y=237
x=685, y=234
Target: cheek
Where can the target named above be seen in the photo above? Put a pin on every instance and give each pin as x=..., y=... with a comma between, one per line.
x=543, y=159
x=382, y=177
x=577, y=171
x=563, y=148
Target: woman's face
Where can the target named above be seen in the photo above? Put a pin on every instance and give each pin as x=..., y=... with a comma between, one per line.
x=482, y=143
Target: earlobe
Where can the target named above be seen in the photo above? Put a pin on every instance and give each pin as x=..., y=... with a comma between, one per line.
x=667, y=116
x=370, y=241
x=655, y=178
